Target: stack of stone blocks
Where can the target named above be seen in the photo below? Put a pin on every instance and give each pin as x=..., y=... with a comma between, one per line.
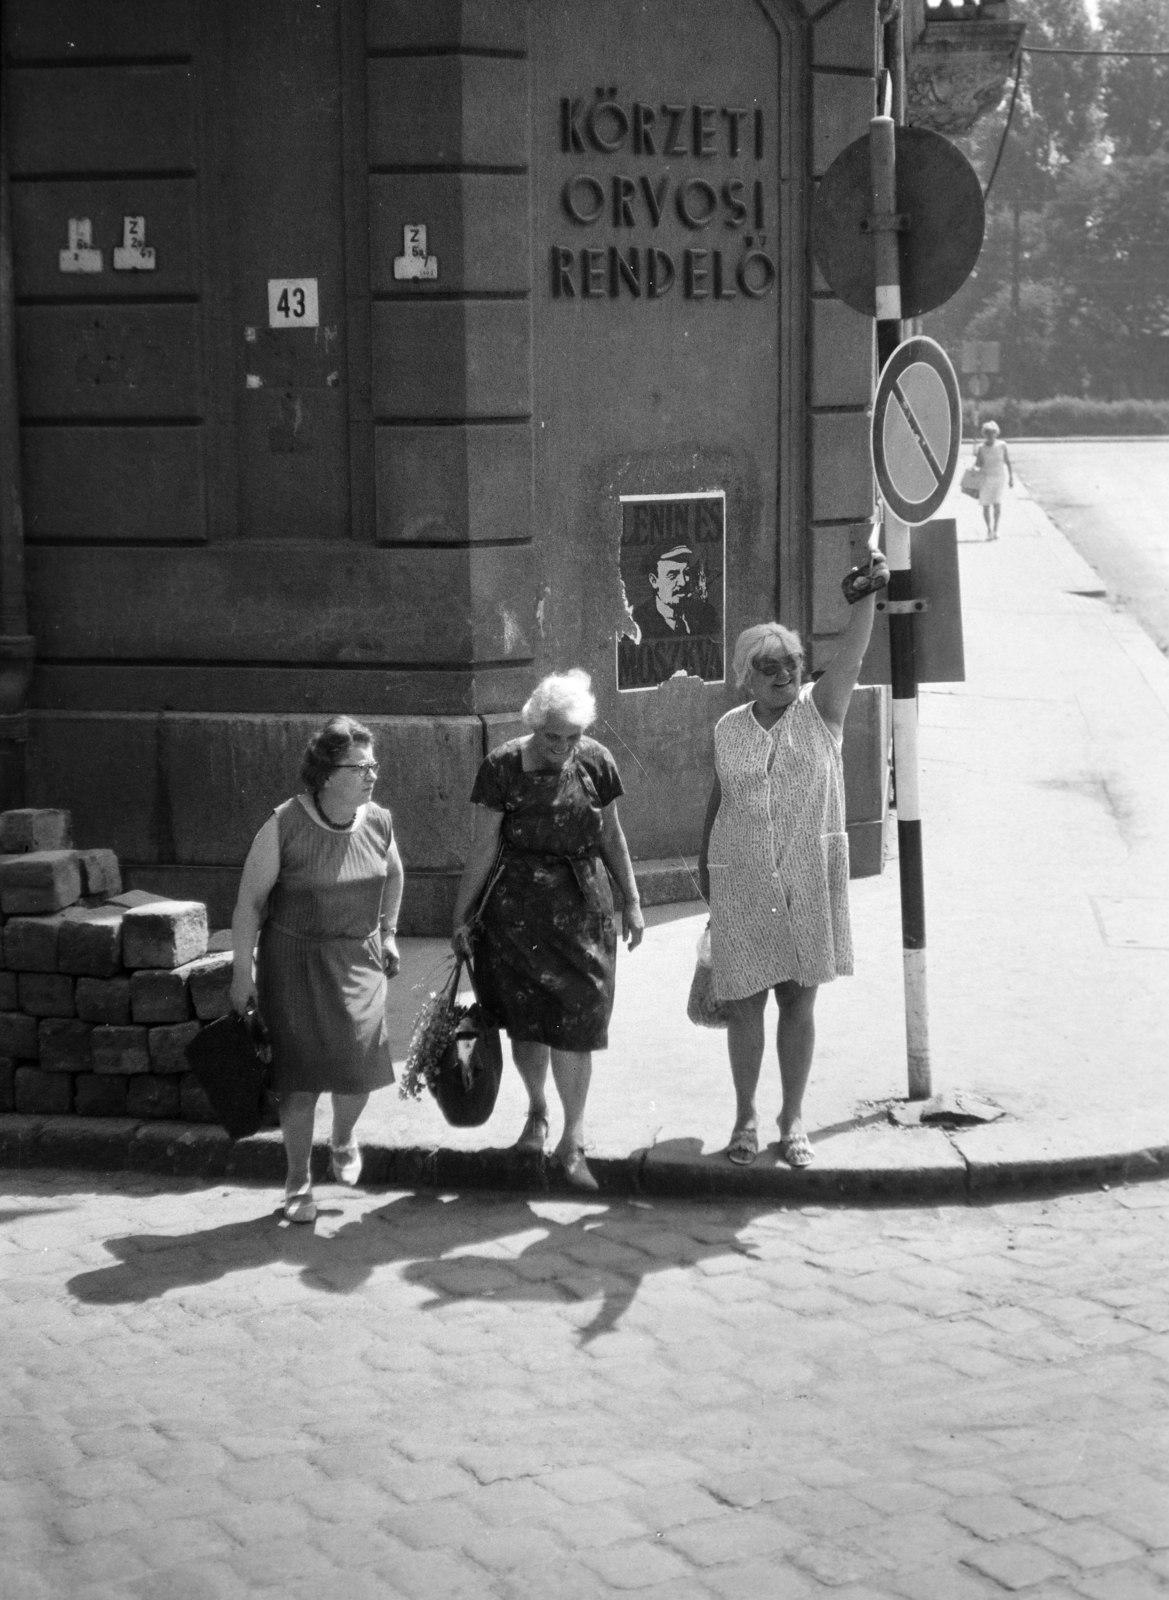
x=100, y=991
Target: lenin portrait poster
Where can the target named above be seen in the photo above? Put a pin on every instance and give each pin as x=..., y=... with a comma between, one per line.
x=672, y=563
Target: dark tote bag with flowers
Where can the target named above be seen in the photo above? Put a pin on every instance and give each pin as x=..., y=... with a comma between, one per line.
x=466, y=1079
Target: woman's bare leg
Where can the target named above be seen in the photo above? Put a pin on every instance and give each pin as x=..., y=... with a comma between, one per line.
x=297, y=1109
x=532, y=1065
x=745, y=1048
x=572, y=1072
x=795, y=1041
x=346, y=1110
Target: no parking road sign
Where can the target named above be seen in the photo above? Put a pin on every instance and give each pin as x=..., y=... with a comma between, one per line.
x=917, y=430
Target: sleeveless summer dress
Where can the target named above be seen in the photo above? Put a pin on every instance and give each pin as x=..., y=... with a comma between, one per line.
x=546, y=946
x=778, y=853
x=992, y=466
x=321, y=987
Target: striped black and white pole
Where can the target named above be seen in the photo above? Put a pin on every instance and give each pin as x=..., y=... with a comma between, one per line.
x=887, y=279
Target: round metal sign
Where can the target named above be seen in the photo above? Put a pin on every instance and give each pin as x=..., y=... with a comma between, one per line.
x=917, y=429
x=939, y=197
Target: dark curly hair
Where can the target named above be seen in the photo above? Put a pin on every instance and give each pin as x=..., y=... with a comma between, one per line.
x=326, y=748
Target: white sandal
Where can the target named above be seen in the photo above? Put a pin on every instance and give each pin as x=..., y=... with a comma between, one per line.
x=300, y=1206
x=346, y=1162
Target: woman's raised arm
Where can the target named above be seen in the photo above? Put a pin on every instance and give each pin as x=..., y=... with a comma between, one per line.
x=833, y=691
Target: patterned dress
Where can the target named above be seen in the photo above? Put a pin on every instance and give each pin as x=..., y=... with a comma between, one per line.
x=778, y=853
x=319, y=975
x=546, y=945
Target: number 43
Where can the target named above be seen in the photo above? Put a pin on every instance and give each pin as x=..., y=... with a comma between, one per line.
x=291, y=303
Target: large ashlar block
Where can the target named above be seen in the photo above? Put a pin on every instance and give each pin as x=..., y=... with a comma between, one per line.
x=44, y=1094
x=842, y=355
x=159, y=995
x=90, y=942
x=194, y=1103
x=168, y=1046
x=153, y=1097
x=65, y=1046
x=451, y=358
x=105, y=1000
x=166, y=934
x=35, y=828
x=18, y=1036
x=46, y=994
x=842, y=473
x=448, y=111
x=460, y=485
x=100, y=872
x=95, y=1096
x=8, y=993
x=123, y=1051
x=477, y=229
x=42, y=880
x=70, y=757
x=7, y=1085
x=209, y=985
x=31, y=943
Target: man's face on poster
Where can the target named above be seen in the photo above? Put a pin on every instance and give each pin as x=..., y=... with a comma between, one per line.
x=671, y=582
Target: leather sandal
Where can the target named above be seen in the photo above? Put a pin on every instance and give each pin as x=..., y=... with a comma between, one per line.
x=795, y=1149
x=576, y=1170
x=744, y=1146
x=300, y=1206
x=534, y=1136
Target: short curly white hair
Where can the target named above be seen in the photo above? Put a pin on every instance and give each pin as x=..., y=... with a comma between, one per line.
x=566, y=693
x=765, y=641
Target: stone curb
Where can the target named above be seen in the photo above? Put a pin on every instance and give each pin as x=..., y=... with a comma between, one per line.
x=175, y=1149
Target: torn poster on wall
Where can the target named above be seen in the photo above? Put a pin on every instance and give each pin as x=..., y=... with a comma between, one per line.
x=673, y=556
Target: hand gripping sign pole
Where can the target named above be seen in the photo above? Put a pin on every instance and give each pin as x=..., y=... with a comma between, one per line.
x=887, y=283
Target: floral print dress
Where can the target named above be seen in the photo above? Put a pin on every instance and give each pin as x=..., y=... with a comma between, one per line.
x=546, y=943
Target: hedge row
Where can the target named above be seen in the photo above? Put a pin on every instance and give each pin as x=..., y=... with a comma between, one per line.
x=1065, y=415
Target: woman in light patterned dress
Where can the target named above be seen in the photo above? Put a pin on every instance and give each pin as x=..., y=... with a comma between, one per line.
x=774, y=859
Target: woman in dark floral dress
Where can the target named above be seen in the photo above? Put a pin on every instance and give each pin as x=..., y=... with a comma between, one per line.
x=545, y=942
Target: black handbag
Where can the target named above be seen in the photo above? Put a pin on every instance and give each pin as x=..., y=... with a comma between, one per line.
x=231, y=1057
x=466, y=1080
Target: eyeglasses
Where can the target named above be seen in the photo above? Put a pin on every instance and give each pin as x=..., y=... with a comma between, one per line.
x=778, y=671
x=372, y=767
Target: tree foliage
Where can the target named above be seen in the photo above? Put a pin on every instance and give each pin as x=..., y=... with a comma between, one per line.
x=1072, y=279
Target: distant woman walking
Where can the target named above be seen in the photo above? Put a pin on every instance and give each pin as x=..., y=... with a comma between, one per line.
x=993, y=460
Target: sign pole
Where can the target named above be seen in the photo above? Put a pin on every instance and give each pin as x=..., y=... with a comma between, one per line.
x=884, y=224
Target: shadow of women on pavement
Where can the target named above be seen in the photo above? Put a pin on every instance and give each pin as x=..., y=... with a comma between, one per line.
x=457, y=1247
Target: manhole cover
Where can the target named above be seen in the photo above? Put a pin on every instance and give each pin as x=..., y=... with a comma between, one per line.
x=1133, y=924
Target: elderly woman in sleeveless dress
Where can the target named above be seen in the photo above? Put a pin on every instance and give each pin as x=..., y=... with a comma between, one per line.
x=774, y=859
x=543, y=940
x=321, y=889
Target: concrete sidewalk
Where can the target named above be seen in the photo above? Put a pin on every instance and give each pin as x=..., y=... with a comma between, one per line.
x=1045, y=794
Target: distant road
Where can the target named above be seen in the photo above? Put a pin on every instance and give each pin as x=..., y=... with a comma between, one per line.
x=1111, y=499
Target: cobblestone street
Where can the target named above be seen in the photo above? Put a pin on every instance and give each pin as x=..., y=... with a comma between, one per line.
x=473, y=1396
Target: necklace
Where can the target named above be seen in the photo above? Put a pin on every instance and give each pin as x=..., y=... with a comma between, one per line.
x=337, y=827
